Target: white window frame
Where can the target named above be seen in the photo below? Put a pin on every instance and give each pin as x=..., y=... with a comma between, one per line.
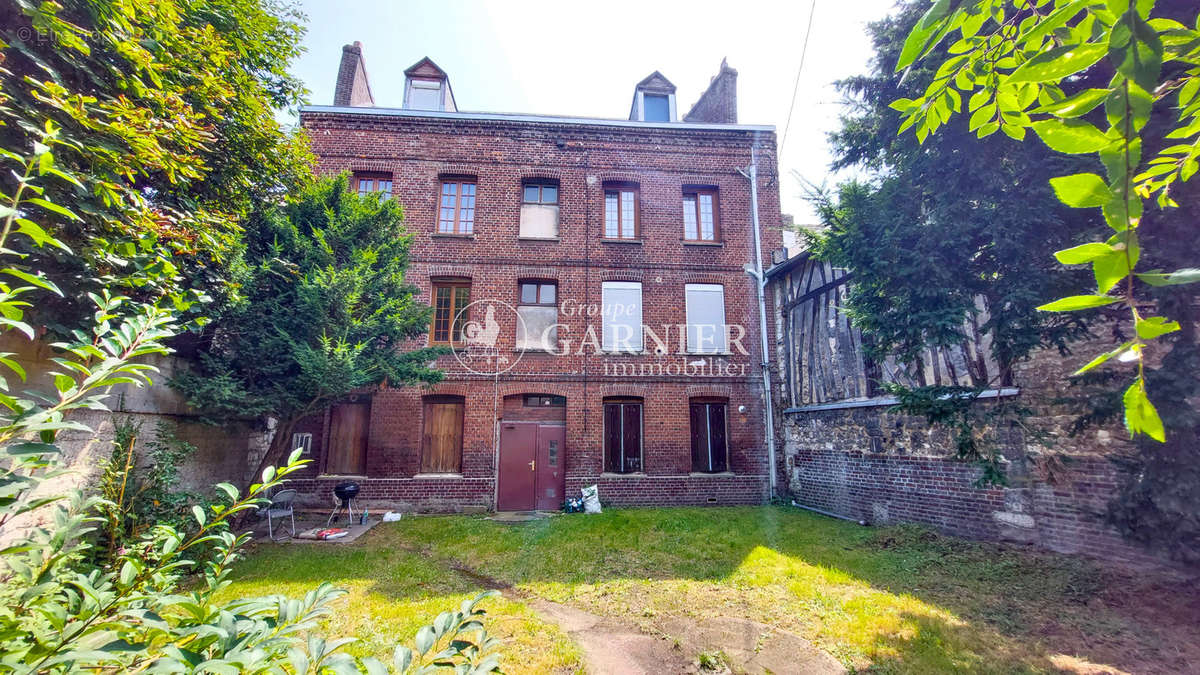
x=427, y=85
x=302, y=440
x=617, y=312
x=700, y=339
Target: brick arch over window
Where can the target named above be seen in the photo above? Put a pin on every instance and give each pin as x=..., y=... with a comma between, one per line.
x=705, y=278
x=619, y=177
x=513, y=388
x=371, y=165
x=709, y=390
x=449, y=389
x=464, y=272
x=617, y=390
x=625, y=275
x=457, y=171
x=699, y=181
x=542, y=174
x=548, y=273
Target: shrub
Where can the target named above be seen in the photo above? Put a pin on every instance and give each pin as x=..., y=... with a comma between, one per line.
x=59, y=611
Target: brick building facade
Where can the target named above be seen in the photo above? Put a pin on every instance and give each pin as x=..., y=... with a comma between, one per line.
x=532, y=221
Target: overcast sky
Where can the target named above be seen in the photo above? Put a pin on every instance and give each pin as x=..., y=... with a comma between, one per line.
x=584, y=59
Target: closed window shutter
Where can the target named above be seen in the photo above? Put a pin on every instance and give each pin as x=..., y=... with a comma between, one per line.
x=633, y=436
x=718, y=452
x=699, y=436
x=612, y=437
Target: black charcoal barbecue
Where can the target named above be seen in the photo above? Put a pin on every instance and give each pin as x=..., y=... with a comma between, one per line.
x=345, y=494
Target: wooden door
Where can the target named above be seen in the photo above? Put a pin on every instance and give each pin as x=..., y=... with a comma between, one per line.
x=348, y=425
x=441, y=447
x=516, y=475
x=551, y=466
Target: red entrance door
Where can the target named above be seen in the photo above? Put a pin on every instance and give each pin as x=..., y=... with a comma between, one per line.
x=518, y=442
x=531, y=473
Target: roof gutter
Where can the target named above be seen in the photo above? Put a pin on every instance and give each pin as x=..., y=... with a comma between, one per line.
x=365, y=111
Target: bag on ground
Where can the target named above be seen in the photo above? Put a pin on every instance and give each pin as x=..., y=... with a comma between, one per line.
x=591, y=499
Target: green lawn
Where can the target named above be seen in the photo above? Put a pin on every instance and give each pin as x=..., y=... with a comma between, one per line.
x=896, y=599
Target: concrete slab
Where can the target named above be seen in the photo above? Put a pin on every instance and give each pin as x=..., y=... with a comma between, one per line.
x=521, y=516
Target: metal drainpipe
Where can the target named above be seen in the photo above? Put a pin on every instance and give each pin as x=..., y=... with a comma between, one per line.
x=768, y=412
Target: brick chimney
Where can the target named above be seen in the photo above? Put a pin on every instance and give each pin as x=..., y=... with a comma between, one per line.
x=718, y=103
x=353, y=88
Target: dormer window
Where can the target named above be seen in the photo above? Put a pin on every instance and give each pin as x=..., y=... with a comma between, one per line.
x=424, y=94
x=656, y=108
x=653, y=100
x=427, y=88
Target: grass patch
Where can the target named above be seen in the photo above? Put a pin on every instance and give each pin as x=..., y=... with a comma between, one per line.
x=899, y=599
x=391, y=594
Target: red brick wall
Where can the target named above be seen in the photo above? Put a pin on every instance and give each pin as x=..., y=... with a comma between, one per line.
x=885, y=467
x=500, y=154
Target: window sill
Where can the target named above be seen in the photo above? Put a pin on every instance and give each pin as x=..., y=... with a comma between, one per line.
x=631, y=474
x=623, y=352
x=708, y=353
x=715, y=474
x=437, y=475
x=606, y=240
x=552, y=239
x=536, y=350
x=689, y=242
x=451, y=235
x=327, y=476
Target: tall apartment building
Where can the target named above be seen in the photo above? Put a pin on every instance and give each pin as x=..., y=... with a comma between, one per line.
x=594, y=281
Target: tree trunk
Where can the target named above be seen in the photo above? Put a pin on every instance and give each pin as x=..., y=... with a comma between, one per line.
x=278, y=450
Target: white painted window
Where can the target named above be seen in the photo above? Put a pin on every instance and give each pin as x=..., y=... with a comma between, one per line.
x=303, y=441
x=424, y=95
x=621, y=316
x=539, y=211
x=620, y=212
x=538, y=327
x=705, y=319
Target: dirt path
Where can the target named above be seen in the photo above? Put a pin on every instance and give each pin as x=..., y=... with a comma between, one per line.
x=613, y=647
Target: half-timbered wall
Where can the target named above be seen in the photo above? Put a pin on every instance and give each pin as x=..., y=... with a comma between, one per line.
x=823, y=359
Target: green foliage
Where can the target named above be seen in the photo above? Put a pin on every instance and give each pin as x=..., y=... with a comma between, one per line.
x=141, y=493
x=62, y=612
x=932, y=229
x=974, y=428
x=1088, y=77
x=168, y=109
x=322, y=309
